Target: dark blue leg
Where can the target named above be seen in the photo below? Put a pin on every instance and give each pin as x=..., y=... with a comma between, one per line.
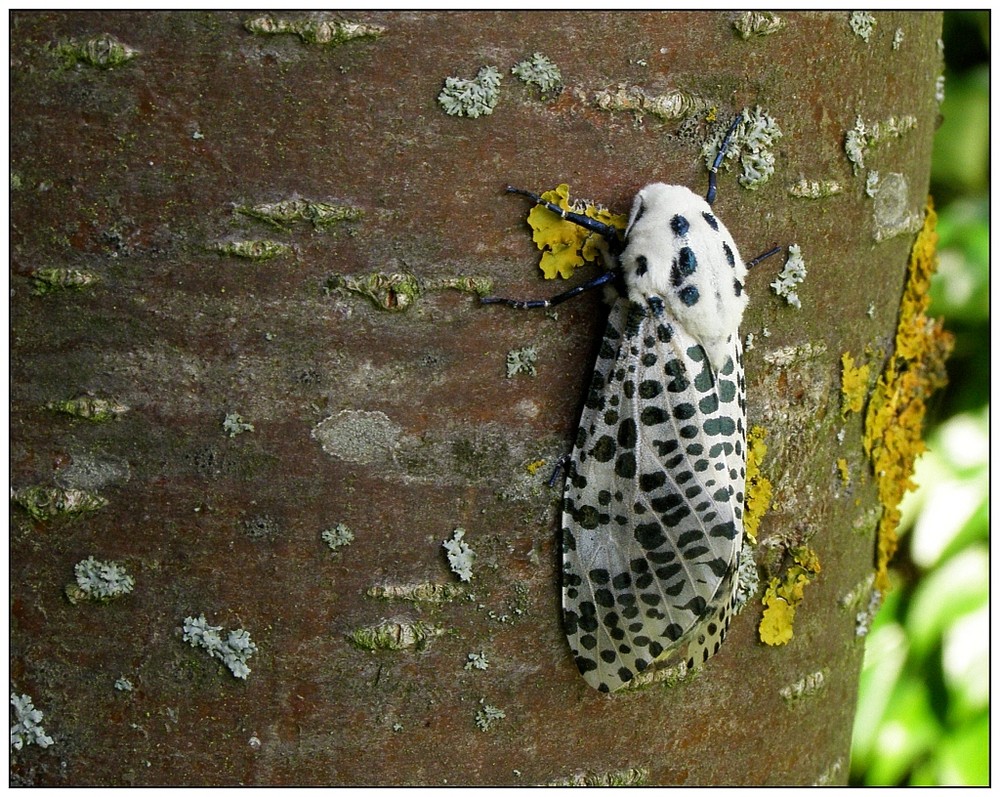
x=560, y=466
x=528, y=304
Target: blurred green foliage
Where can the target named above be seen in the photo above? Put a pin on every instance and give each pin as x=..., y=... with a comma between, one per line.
x=923, y=709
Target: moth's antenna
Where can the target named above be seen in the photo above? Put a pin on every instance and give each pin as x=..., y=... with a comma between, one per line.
x=710, y=196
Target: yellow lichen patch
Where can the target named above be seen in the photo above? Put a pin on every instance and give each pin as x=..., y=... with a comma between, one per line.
x=853, y=385
x=759, y=487
x=783, y=596
x=894, y=419
x=532, y=467
x=566, y=245
x=844, y=470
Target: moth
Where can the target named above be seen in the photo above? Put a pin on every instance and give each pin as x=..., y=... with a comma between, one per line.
x=652, y=519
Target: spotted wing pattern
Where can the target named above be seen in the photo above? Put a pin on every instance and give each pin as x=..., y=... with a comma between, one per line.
x=653, y=503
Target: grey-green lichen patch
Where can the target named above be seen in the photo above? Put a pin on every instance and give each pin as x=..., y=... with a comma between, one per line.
x=540, y=71
x=667, y=676
x=457, y=454
x=808, y=686
x=488, y=716
x=831, y=775
x=757, y=23
x=424, y=592
x=480, y=286
x=751, y=146
x=635, y=776
x=473, y=98
x=394, y=635
x=27, y=728
x=892, y=214
x=791, y=276
x=863, y=620
x=747, y=576
x=123, y=684
x=234, y=651
x=815, y=189
x=460, y=556
x=99, y=581
x=394, y=292
x=859, y=141
x=865, y=524
x=398, y=291
x=50, y=280
x=674, y=104
x=871, y=183
x=234, y=424
x=360, y=436
x=312, y=31
x=862, y=23
x=257, y=250
x=477, y=661
x=104, y=51
x=789, y=356
x=807, y=380
x=864, y=600
x=45, y=503
x=337, y=537
x=522, y=361
x=288, y=212
x=93, y=408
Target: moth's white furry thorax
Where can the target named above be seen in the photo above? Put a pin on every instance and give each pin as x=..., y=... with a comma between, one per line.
x=678, y=250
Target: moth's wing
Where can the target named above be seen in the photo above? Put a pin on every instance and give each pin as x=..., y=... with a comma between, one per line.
x=652, y=520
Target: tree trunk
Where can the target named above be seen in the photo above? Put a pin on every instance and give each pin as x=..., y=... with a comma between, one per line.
x=197, y=213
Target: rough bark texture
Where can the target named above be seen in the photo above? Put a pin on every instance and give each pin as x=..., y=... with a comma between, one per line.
x=403, y=425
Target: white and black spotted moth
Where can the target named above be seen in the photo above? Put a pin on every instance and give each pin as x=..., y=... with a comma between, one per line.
x=652, y=521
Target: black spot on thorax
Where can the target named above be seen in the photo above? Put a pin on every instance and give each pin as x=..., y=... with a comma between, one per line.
x=689, y=296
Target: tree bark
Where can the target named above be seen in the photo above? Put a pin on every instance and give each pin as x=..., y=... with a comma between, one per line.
x=151, y=177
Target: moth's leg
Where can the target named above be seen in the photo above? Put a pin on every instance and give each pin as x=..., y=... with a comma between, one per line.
x=529, y=304
x=559, y=467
